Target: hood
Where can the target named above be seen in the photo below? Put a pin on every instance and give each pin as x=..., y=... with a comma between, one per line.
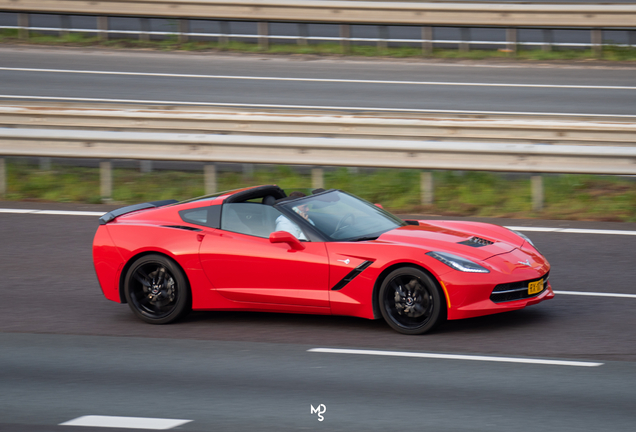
x=469, y=239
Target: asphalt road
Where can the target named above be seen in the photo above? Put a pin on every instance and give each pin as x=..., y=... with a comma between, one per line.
x=308, y=83
x=66, y=352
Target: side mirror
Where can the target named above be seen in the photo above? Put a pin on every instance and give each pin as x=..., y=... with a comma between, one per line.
x=285, y=237
x=379, y=205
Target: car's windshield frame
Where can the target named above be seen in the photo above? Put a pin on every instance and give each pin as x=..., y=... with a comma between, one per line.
x=290, y=209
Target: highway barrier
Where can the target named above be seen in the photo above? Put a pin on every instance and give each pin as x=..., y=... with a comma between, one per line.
x=508, y=143
x=317, y=152
x=544, y=129
x=511, y=16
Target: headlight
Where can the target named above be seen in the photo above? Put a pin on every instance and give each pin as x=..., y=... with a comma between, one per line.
x=525, y=237
x=458, y=263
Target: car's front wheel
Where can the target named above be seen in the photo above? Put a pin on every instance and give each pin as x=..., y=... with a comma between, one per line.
x=410, y=301
x=156, y=289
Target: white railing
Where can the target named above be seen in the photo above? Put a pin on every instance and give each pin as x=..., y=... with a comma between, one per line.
x=338, y=39
x=316, y=152
x=510, y=16
x=365, y=12
x=543, y=129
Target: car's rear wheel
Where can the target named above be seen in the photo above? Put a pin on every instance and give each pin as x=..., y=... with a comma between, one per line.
x=156, y=289
x=410, y=301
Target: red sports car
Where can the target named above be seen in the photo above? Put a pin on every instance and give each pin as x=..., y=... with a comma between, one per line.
x=257, y=249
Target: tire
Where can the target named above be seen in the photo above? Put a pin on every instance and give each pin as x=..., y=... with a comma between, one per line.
x=410, y=301
x=157, y=290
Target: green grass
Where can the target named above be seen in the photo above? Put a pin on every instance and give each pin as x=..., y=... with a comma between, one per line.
x=573, y=197
x=610, y=53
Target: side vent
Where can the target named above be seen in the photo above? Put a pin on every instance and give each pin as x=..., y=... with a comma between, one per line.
x=351, y=275
x=477, y=242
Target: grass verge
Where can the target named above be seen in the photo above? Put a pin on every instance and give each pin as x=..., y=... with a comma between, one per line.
x=572, y=197
x=610, y=53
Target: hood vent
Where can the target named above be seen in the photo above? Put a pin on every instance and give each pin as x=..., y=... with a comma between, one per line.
x=477, y=242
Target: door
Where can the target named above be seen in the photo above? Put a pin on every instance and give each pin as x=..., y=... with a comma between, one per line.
x=243, y=265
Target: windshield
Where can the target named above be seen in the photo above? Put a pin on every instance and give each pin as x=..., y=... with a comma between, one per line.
x=340, y=216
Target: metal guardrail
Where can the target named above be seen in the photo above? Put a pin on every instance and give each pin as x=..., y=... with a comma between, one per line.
x=503, y=128
x=319, y=151
x=511, y=16
x=366, y=12
x=391, y=142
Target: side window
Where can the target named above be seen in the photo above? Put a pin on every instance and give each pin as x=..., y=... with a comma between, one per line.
x=256, y=219
x=209, y=216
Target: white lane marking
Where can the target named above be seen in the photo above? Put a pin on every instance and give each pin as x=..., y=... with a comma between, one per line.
x=125, y=422
x=577, y=231
x=516, y=228
x=572, y=230
x=327, y=80
x=596, y=294
x=456, y=357
x=52, y=212
x=314, y=107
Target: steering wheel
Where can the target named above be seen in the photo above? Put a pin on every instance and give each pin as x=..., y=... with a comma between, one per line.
x=342, y=222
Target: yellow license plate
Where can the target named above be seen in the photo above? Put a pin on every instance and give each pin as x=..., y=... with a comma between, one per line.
x=535, y=287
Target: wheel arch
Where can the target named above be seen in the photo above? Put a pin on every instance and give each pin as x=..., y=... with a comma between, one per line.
x=378, y=283
x=124, y=271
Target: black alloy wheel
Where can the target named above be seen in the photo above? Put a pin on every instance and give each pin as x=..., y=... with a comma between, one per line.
x=410, y=301
x=156, y=289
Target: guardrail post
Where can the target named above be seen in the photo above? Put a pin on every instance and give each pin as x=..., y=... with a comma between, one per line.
x=224, y=40
x=263, y=32
x=548, y=38
x=65, y=24
x=145, y=28
x=597, y=40
x=427, y=188
x=23, y=23
x=209, y=178
x=345, y=35
x=45, y=164
x=427, y=41
x=102, y=26
x=248, y=170
x=537, y=192
x=184, y=29
x=303, y=32
x=511, y=38
x=317, y=178
x=145, y=166
x=3, y=178
x=106, y=180
x=384, y=35
x=464, y=46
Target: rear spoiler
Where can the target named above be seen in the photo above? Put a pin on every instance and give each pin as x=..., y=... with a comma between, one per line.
x=129, y=209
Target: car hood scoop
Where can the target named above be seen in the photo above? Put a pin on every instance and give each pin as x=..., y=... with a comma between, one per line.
x=466, y=241
x=475, y=241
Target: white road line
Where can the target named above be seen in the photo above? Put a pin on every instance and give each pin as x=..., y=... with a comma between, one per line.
x=596, y=294
x=125, y=422
x=572, y=230
x=516, y=228
x=52, y=212
x=314, y=107
x=327, y=80
x=455, y=357
x=538, y=229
